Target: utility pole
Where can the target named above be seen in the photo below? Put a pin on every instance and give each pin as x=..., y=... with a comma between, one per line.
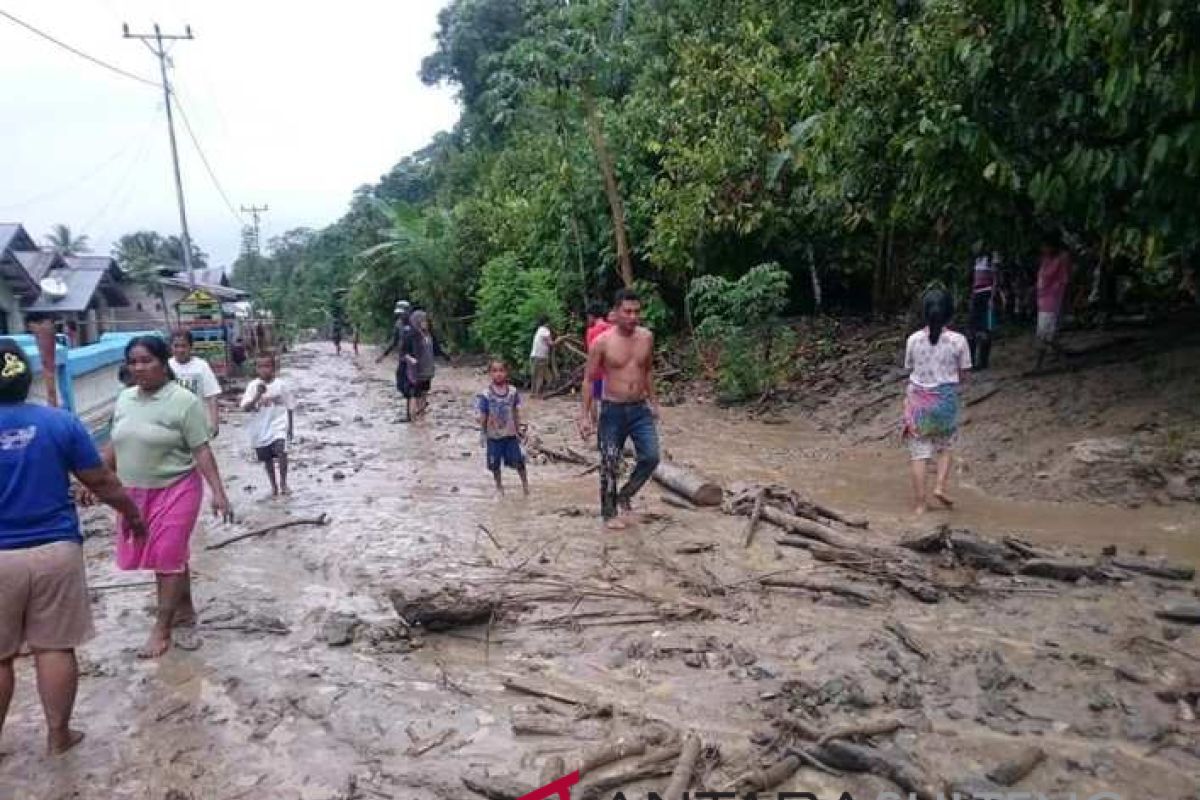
x=159, y=49
x=255, y=212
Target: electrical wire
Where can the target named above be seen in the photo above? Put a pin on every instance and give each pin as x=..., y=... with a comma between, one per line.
x=78, y=52
x=204, y=160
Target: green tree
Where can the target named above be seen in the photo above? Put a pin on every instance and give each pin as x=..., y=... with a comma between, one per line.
x=63, y=241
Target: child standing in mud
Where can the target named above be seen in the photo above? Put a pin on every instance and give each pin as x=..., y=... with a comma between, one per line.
x=272, y=426
x=499, y=408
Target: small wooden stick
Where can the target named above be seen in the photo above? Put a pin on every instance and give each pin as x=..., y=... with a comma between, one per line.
x=320, y=521
x=681, y=778
x=759, y=500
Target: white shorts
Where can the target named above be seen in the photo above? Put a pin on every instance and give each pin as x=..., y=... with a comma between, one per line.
x=1047, y=326
x=923, y=448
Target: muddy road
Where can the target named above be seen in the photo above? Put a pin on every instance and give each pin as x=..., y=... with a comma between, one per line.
x=308, y=685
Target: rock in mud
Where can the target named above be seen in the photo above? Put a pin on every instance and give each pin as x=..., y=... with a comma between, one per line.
x=443, y=608
x=339, y=629
x=338, y=475
x=1181, y=612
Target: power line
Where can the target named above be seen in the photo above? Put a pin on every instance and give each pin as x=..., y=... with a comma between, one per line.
x=187, y=126
x=76, y=51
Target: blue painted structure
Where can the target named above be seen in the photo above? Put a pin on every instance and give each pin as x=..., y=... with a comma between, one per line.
x=75, y=366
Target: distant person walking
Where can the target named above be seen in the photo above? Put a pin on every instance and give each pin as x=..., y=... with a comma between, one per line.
x=194, y=374
x=336, y=335
x=628, y=408
x=938, y=359
x=539, y=356
x=1054, y=273
x=160, y=450
x=985, y=291
x=44, y=599
x=400, y=330
x=420, y=350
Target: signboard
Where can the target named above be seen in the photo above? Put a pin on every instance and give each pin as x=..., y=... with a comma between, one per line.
x=200, y=312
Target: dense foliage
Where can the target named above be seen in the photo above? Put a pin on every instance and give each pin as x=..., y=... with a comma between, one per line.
x=864, y=147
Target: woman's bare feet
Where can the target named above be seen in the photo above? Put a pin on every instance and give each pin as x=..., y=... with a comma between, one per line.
x=158, y=644
x=943, y=498
x=59, y=742
x=616, y=524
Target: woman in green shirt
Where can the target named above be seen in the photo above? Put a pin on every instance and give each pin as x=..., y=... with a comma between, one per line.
x=160, y=450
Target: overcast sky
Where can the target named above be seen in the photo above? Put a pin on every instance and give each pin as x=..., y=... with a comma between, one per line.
x=295, y=104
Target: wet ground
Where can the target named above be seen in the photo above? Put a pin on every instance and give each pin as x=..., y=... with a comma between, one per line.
x=307, y=686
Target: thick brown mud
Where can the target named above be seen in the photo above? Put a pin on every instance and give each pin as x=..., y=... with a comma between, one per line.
x=307, y=686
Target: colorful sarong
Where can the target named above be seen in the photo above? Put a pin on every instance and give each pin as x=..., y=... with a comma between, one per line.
x=170, y=515
x=931, y=413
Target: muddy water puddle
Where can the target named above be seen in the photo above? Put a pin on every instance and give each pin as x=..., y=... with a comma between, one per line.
x=304, y=687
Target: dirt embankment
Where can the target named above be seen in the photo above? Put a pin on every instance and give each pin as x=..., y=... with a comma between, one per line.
x=433, y=641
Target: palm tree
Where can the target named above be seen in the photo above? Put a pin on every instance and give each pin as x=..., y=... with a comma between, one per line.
x=62, y=241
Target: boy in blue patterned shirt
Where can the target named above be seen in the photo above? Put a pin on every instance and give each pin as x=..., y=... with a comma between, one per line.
x=499, y=408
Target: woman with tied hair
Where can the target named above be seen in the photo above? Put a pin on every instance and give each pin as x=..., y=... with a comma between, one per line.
x=160, y=450
x=938, y=359
x=44, y=600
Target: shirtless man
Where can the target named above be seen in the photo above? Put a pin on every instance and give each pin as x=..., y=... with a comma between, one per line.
x=624, y=354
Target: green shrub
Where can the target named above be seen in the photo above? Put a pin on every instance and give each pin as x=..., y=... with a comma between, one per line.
x=737, y=323
x=510, y=300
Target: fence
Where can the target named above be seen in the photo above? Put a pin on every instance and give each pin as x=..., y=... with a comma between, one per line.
x=87, y=377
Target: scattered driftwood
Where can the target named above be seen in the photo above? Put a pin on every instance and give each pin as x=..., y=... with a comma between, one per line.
x=887, y=564
x=859, y=594
x=968, y=549
x=642, y=771
x=1013, y=771
x=755, y=515
x=1166, y=646
x=613, y=751
x=565, y=454
x=876, y=727
x=421, y=749
x=791, y=502
x=321, y=520
x=695, y=548
x=1181, y=612
x=809, y=529
x=515, y=683
x=906, y=637
x=494, y=787
x=697, y=490
x=1063, y=569
x=444, y=608
x=863, y=758
x=1022, y=548
x=762, y=780
x=1156, y=569
x=681, y=778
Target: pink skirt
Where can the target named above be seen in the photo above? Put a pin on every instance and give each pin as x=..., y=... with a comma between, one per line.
x=170, y=515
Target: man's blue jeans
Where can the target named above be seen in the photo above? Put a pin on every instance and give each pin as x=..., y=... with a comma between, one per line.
x=618, y=422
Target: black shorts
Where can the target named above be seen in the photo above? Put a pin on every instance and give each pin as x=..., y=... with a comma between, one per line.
x=276, y=449
x=421, y=388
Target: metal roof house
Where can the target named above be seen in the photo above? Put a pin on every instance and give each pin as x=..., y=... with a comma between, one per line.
x=77, y=292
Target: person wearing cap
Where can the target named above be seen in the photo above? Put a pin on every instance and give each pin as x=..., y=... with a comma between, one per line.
x=400, y=331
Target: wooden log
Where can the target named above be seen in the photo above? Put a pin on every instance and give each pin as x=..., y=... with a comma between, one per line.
x=1059, y=569
x=608, y=753
x=320, y=521
x=515, y=683
x=677, y=502
x=856, y=593
x=494, y=787
x=1172, y=572
x=809, y=529
x=604, y=786
x=1181, y=612
x=1008, y=773
x=681, y=778
x=693, y=487
x=876, y=727
x=761, y=780
x=755, y=514
x=863, y=758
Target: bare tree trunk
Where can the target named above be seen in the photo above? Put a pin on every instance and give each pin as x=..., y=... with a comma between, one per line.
x=816, y=281
x=609, y=174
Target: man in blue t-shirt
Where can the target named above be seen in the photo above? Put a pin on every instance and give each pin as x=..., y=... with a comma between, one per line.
x=43, y=588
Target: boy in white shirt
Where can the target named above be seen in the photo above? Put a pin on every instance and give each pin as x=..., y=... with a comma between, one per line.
x=194, y=374
x=271, y=428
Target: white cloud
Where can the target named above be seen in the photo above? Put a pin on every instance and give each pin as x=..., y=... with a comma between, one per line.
x=295, y=105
